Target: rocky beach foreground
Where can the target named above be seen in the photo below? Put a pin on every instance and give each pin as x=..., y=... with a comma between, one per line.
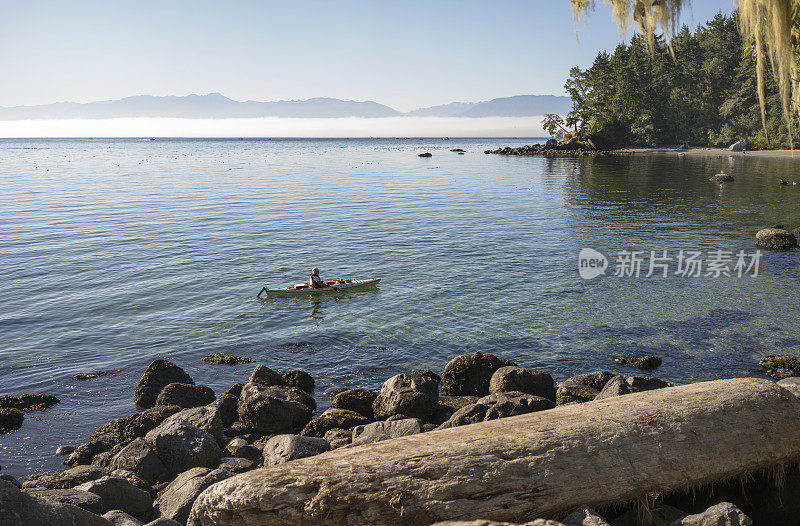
x=486, y=442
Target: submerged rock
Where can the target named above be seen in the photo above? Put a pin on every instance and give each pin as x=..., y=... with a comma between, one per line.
x=781, y=366
x=413, y=395
x=333, y=418
x=524, y=380
x=223, y=358
x=647, y=363
x=469, y=374
x=28, y=402
x=158, y=375
x=10, y=420
x=185, y=395
x=775, y=239
x=94, y=375
x=498, y=405
x=283, y=448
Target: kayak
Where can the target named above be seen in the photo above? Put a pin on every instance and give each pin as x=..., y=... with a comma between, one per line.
x=336, y=286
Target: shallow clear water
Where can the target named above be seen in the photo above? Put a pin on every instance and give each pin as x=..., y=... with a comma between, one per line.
x=116, y=252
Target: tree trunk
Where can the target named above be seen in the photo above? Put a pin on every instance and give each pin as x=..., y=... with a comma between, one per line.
x=534, y=465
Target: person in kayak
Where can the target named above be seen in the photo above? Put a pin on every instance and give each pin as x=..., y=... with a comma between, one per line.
x=315, y=281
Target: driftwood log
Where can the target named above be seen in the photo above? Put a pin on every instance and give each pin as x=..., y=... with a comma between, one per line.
x=535, y=465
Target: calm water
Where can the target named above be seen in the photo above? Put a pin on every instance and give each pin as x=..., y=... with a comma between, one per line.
x=114, y=253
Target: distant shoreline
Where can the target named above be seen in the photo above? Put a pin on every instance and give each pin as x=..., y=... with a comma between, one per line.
x=713, y=152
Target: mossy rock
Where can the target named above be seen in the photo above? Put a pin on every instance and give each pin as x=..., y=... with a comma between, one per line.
x=10, y=420
x=781, y=366
x=775, y=239
x=223, y=358
x=596, y=380
x=646, y=363
x=28, y=402
x=470, y=374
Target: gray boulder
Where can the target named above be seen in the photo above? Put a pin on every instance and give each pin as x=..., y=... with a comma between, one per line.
x=270, y=409
x=175, y=501
x=119, y=494
x=82, y=499
x=283, y=448
x=233, y=446
x=378, y=431
x=85, y=453
x=469, y=374
x=236, y=465
x=181, y=446
x=132, y=426
x=414, y=395
x=133, y=478
x=207, y=418
x=523, y=380
x=140, y=458
x=64, y=479
x=738, y=146
x=269, y=377
x=584, y=516
x=723, y=514
x=596, y=380
x=338, y=437
x=332, y=419
x=18, y=508
x=791, y=384
x=622, y=385
x=358, y=400
x=120, y=518
x=185, y=395
x=498, y=405
x=158, y=375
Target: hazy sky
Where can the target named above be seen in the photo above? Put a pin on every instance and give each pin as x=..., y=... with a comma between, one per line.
x=404, y=54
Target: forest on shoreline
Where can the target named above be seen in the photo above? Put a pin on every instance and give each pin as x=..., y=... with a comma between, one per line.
x=704, y=93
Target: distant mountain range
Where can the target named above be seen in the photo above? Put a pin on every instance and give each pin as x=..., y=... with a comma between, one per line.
x=215, y=105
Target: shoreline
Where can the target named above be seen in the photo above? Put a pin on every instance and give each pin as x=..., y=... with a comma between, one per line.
x=698, y=152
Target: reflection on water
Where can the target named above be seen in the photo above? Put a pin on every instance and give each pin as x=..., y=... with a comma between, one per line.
x=117, y=252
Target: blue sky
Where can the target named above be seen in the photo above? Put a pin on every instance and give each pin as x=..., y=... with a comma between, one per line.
x=404, y=54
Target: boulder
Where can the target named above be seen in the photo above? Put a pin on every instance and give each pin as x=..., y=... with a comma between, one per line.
x=574, y=393
x=647, y=363
x=17, y=508
x=283, y=448
x=469, y=374
x=223, y=358
x=498, y=405
x=181, y=446
x=132, y=426
x=10, y=420
x=140, y=458
x=775, y=239
x=596, y=380
x=338, y=437
x=738, y=146
x=64, y=450
x=454, y=403
x=524, y=380
x=413, y=395
x=542, y=464
x=622, y=385
x=426, y=154
x=85, y=453
x=185, y=395
x=551, y=143
x=64, y=479
x=791, y=384
x=176, y=500
x=28, y=402
x=721, y=178
x=119, y=494
x=158, y=375
x=133, y=478
x=723, y=514
x=163, y=521
x=332, y=419
x=205, y=417
x=232, y=447
x=298, y=379
x=430, y=374
x=781, y=366
x=250, y=452
x=236, y=465
x=271, y=410
x=378, y=431
x=584, y=516
x=358, y=400
x=120, y=518
x=82, y=499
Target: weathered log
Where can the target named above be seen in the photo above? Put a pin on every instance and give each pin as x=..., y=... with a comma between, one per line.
x=534, y=465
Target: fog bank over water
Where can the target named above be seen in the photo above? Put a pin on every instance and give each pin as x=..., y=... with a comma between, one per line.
x=278, y=127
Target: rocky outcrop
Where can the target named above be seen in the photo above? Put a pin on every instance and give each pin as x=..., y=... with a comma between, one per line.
x=781, y=366
x=574, y=393
x=119, y=494
x=358, y=400
x=378, y=431
x=175, y=501
x=17, y=508
x=181, y=446
x=158, y=375
x=185, y=395
x=469, y=374
x=271, y=410
x=223, y=358
x=723, y=514
x=775, y=239
x=646, y=363
x=283, y=448
x=413, y=395
x=524, y=380
x=541, y=464
x=333, y=418
x=498, y=405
